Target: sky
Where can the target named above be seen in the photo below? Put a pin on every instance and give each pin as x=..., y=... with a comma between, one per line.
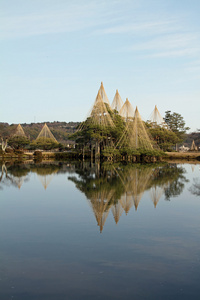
x=54, y=54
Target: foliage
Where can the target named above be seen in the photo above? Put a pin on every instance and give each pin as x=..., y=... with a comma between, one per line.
x=128, y=151
x=91, y=134
x=110, y=152
x=172, y=178
x=44, y=143
x=164, y=138
x=194, y=136
x=176, y=123
x=60, y=130
x=141, y=151
x=153, y=152
x=18, y=142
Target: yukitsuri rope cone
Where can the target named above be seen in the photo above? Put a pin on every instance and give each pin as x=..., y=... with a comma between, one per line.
x=99, y=114
x=127, y=111
x=103, y=94
x=157, y=119
x=19, y=131
x=46, y=133
x=117, y=102
x=193, y=146
x=135, y=134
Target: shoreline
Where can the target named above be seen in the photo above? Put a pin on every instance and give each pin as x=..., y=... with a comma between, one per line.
x=182, y=156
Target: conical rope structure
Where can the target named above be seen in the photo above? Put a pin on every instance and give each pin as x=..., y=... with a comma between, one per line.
x=46, y=134
x=117, y=102
x=99, y=114
x=193, y=146
x=127, y=111
x=19, y=131
x=103, y=94
x=135, y=134
x=157, y=119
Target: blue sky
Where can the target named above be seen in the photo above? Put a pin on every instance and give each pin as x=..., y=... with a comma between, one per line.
x=55, y=53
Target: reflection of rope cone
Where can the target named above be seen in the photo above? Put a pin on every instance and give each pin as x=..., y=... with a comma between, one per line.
x=19, y=182
x=156, y=193
x=117, y=211
x=126, y=202
x=45, y=179
x=100, y=204
x=137, y=182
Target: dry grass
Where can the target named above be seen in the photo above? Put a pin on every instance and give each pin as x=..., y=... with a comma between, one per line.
x=183, y=155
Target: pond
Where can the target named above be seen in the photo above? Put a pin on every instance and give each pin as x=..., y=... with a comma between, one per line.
x=86, y=231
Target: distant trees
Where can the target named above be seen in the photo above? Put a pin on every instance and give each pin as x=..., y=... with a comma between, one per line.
x=18, y=142
x=91, y=134
x=44, y=144
x=164, y=138
x=176, y=123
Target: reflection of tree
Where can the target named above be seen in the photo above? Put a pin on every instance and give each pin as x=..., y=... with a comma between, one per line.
x=112, y=187
x=16, y=173
x=135, y=180
x=118, y=188
x=171, y=179
x=45, y=172
x=45, y=168
x=102, y=187
x=156, y=193
x=195, y=188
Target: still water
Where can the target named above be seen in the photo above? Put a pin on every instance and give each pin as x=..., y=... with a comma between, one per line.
x=82, y=231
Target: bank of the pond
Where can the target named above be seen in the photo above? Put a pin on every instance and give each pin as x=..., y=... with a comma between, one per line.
x=138, y=157
x=183, y=155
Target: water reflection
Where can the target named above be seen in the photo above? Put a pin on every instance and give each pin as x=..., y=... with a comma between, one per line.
x=195, y=188
x=14, y=177
x=119, y=188
x=16, y=174
x=115, y=188
x=51, y=249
